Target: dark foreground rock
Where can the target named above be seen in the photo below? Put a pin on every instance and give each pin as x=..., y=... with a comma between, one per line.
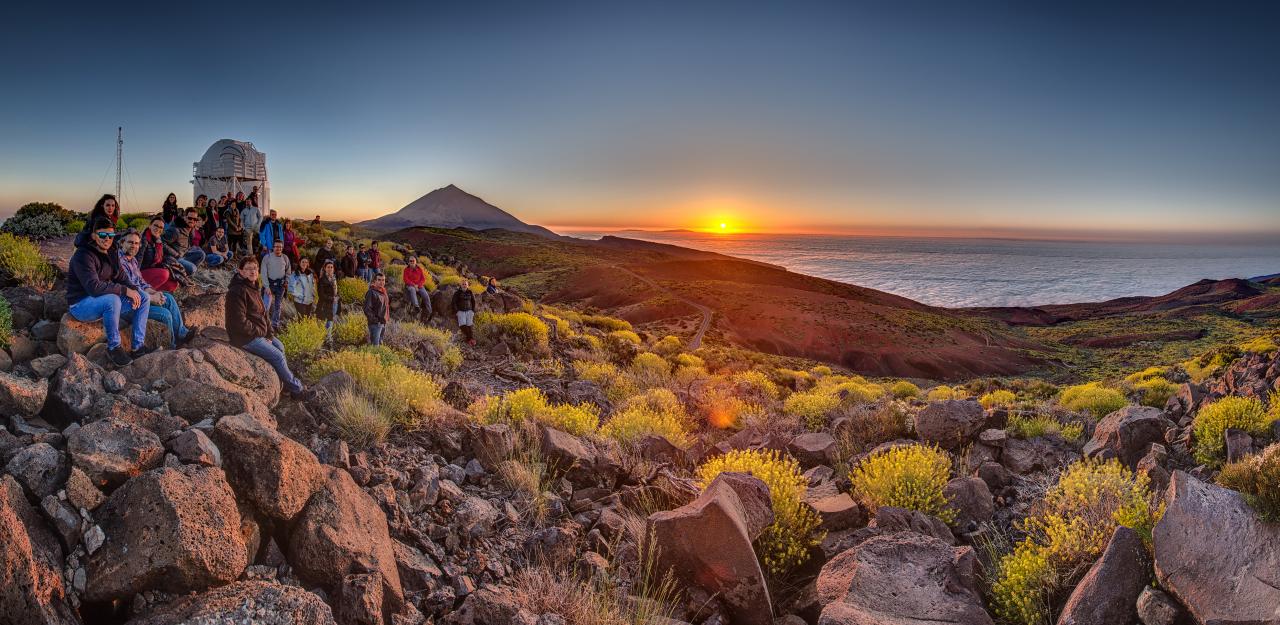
x=1109, y=591
x=31, y=590
x=243, y=602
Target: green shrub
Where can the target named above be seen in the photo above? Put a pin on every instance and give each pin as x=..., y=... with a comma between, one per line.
x=395, y=277
x=352, y=290
x=903, y=389
x=416, y=337
x=1261, y=345
x=303, y=338
x=784, y=544
x=668, y=346
x=617, y=386
x=529, y=404
x=1092, y=398
x=1155, y=392
x=942, y=391
x=351, y=329
x=650, y=369
x=1031, y=426
x=6, y=322
x=1068, y=529
x=1213, y=420
x=608, y=324
x=357, y=420
x=387, y=354
x=525, y=333
x=75, y=225
x=909, y=476
x=407, y=396
x=1258, y=479
x=812, y=407
x=998, y=399
x=20, y=258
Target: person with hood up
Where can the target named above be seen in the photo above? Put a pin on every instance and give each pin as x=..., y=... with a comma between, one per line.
x=249, y=329
x=97, y=289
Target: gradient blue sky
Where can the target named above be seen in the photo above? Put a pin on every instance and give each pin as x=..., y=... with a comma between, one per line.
x=796, y=116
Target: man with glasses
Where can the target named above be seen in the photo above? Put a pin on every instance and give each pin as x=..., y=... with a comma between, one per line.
x=97, y=288
x=164, y=306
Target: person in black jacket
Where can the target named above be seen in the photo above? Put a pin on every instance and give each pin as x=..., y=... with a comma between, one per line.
x=97, y=288
x=377, y=307
x=327, y=296
x=464, y=305
x=169, y=211
x=249, y=328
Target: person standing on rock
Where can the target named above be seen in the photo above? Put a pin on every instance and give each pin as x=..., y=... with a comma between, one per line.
x=327, y=296
x=275, y=275
x=377, y=307
x=464, y=306
x=235, y=229
x=98, y=289
x=415, y=284
x=302, y=288
x=249, y=328
x=164, y=306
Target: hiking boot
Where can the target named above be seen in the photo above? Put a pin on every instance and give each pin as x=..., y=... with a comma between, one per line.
x=192, y=331
x=141, y=351
x=119, y=356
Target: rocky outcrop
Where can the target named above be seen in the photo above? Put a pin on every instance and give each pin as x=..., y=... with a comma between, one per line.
x=214, y=381
x=707, y=543
x=275, y=473
x=243, y=602
x=813, y=448
x=78, y=337
x=1127, y=434
x=31, y=590
x=950, y=423
x=1109, y=591
x=343, y=531
x=176, y=530
x=111, y=452
x=22, y=395
x=901, y=579
x=1216, y=556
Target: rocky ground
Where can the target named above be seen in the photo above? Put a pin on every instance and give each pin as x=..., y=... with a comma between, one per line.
x=183, y=489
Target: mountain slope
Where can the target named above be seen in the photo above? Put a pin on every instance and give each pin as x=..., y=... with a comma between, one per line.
x=451, y=207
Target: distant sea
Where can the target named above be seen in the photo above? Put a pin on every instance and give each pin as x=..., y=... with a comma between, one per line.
x=988, y=272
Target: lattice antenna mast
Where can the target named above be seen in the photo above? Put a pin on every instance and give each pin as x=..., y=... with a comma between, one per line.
x=119, y=158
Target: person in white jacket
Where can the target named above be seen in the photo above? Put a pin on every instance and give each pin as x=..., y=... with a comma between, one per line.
x=302, y=288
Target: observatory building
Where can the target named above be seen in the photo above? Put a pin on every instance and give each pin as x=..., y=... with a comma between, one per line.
x=231, y=166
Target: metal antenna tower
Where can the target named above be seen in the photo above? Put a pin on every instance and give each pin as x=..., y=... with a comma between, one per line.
x=119, y=158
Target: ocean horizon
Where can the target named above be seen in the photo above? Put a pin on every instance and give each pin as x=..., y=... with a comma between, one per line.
x=967, y=272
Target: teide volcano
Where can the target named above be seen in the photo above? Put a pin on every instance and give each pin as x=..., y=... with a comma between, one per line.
x=451, y=207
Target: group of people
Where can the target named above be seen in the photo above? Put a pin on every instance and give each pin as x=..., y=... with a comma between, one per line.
x=129, y=276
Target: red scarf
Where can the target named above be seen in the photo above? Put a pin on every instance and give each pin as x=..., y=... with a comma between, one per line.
x=386, y=298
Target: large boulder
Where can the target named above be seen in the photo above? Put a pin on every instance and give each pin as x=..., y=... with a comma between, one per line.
x=40, y=468
x=204, y=310
x=22, y=395
x=77, y=337
x=111, y=452
x=342, y=531
x=218, y=380
x=77, y=387
x=972, y=501
x=707, y=543
x=274, y=472
x=243, y=602
x=1127, y=434
x=901, y=579
x=950, y=422
x=1215, y=555
x=31, y=590
x=1109, y=591
x=175, y=530
x=813, y=448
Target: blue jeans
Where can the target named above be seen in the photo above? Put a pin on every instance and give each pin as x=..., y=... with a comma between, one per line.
x=375, y=333
x=276, y=292
x=272, y=351
x=366, y=274
x=213, y=260
x=188, y=265
x=171, y=317
x=194, y=255
x=419, y=293
x=112, y=309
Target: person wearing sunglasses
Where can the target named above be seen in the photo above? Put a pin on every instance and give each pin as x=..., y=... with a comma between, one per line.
x=97, y=288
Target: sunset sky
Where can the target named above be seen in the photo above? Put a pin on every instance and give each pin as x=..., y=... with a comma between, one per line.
x=816, y=117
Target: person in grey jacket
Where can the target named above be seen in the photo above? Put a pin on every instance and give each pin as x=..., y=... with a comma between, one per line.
x=377, y=307
x=275, y=278
x=251, y=220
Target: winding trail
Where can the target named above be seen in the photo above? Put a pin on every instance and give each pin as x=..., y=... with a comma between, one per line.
x=696, y=341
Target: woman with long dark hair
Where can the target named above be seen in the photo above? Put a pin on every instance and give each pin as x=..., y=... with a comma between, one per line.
x=170, y=209
x=153, y=262
x=107, y=207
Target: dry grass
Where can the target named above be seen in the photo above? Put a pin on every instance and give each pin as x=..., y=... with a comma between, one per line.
x=359, y=421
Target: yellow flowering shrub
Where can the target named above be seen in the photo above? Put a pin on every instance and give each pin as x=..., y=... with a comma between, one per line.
x=812, y=407
x=407, y=395
x=530, y=404
x=525, y=333
x=352, y=290
x=650, y=369
x=688, y=360
x=998, y=399
x=302, y=338
x=617, y=386
x=909, y=476
x=1213, y=419
x=1261, y=345
x=1092, y=398
x=1155, y=392
x=351, y=329
x=903, y=389
x=1067, y=529
x=622, y=336
x=755, y=386
x=669, y=345
x=785, y=544
x=1030, y=426
x=631, y=423
x=606, y=323
x=942, y=391
x=1257, y=477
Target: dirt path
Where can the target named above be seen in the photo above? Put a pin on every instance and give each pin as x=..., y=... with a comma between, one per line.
x=696, y=341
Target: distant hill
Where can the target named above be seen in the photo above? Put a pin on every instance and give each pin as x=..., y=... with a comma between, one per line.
x=451, y=207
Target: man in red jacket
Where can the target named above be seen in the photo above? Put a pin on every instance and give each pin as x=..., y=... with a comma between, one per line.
x=415, y=284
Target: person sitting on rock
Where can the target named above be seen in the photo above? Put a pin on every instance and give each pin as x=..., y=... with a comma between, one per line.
x=275, y=275
x=177, y=238
x=377, y=307
x=248, y=326
x=327, y=296
x=491, y=286
x=464, y=306
x=217, y=249
x=157, y=268
x=164, y=306
x=415, y=284
x=98, y=289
